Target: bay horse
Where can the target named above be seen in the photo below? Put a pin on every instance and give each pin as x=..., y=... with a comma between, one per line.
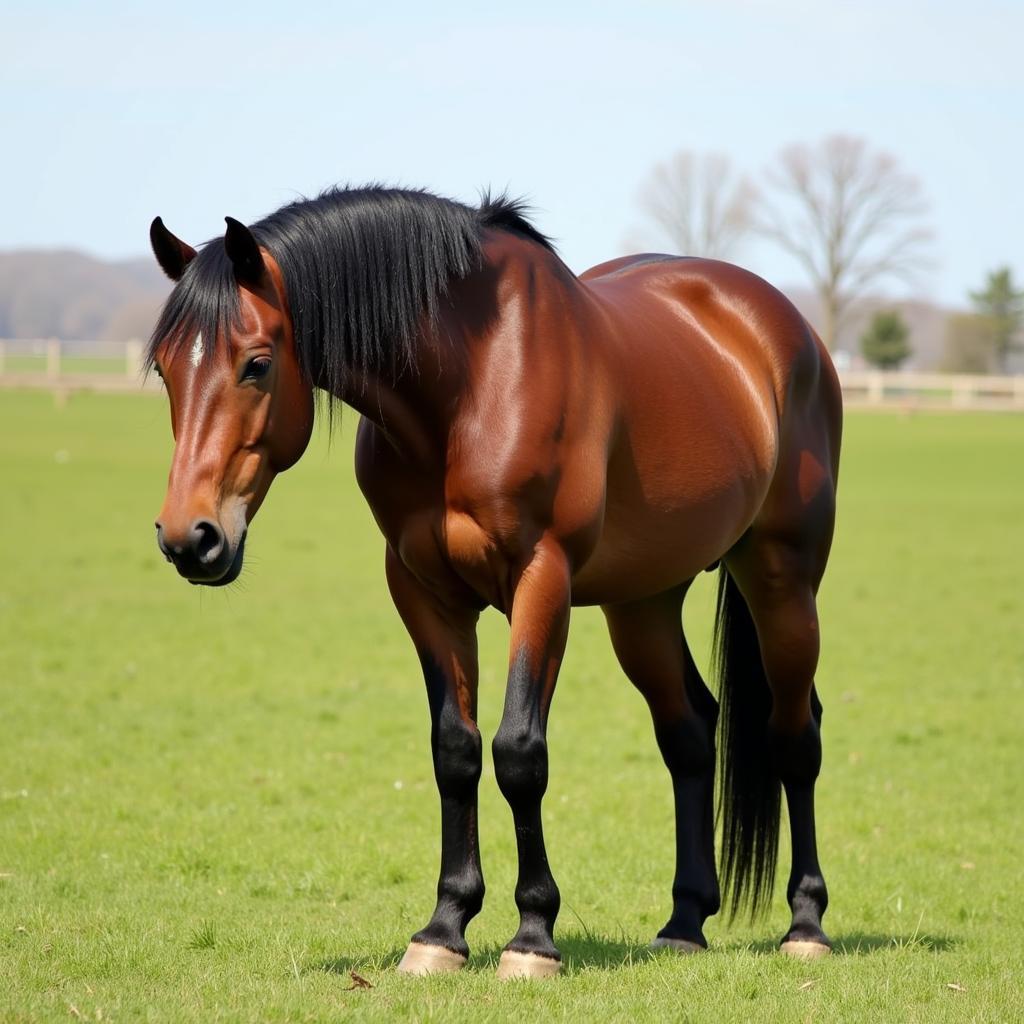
x=532, y=440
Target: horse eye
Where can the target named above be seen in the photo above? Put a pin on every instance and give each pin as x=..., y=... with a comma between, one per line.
x=256, y=368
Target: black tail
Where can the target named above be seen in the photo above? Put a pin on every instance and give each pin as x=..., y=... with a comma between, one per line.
x=749, y=789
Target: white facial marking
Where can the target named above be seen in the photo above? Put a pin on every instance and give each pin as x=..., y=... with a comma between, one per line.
x=197, y=350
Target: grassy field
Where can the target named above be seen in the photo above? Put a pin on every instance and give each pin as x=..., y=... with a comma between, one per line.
x=214, y=806
x=69, y=365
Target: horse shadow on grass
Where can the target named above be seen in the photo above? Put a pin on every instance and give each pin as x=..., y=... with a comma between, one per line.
x=583, y=951
x=862, y=944
x=580, y=951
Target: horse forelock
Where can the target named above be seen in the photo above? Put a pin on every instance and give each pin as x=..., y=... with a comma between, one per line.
x=203, y=307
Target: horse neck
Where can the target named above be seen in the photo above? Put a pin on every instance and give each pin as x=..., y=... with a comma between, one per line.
x=415, y=410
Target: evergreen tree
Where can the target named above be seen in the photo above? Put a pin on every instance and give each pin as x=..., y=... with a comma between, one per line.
x=1001, y=303
x=885, y=343
x=968, y=344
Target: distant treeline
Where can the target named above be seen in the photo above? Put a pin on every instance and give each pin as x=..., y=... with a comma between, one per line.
x=72, y=296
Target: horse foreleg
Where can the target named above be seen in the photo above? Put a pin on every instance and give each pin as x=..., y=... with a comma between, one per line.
x=445, y=641
x=652, y=650
x=540, y=622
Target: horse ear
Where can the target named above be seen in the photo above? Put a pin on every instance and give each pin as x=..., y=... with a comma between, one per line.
x=171, y=252
x=244, y=252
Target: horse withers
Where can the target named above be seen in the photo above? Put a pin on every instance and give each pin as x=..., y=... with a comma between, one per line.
x=532, y=440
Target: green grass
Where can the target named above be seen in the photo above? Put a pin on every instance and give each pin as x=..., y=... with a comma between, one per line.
x=214, y=806
x=69, y=365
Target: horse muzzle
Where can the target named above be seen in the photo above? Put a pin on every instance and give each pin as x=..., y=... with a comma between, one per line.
x=202, y=554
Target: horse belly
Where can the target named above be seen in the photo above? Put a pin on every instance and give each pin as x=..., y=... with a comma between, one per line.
x=675, y=505
x=651, y=553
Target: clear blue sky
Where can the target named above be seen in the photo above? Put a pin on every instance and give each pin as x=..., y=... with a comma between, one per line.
x=113, y=112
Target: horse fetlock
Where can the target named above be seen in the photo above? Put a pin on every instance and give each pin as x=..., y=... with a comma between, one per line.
x=540, y=898
x=696, y=899
x=535, y=935
x=807, y=892
x=464, y=892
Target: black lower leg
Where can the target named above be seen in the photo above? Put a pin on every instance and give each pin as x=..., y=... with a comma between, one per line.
x=521, y=767
x=460, y=889
x=798, y=759
x=688, y=750
x=806, y=892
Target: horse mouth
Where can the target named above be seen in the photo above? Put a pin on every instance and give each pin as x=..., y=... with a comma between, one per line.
x=230, y=574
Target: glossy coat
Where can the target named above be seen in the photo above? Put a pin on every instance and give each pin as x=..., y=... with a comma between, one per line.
x=560, y=441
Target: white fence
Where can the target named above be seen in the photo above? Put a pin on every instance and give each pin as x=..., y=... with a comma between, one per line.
x=65, y=367
x=955, y=391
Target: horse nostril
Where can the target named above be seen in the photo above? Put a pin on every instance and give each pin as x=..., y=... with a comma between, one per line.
x=207, y=540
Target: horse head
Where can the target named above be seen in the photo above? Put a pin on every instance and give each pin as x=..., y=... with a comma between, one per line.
x=241, y=405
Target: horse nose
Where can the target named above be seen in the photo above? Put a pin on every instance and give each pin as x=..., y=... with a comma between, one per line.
x=207, y=541
x=162, y=544
x=201, y=545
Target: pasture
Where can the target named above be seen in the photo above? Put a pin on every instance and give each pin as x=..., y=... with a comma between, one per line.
x=217, y=805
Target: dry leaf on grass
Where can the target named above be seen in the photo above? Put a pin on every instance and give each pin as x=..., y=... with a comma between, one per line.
x=804, y=986
x=955, y=986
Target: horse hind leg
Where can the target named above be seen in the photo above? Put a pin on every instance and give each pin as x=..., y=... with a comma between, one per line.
x=650, y=645
x=777, y=572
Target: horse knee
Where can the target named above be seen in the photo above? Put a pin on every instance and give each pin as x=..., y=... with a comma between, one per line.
x=457, y=755
x=520, y=762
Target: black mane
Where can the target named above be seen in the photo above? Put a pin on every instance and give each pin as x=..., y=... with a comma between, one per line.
x=360, y=268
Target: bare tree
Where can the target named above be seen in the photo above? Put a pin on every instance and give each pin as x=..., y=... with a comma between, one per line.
x=851, y=218
x=697, y=205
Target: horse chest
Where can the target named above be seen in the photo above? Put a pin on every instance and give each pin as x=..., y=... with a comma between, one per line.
x=451, y=555
x=477, y=559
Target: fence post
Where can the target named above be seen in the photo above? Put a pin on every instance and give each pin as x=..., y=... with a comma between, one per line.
x=133, y=357
x=3, y=357
x=963, y=388
x=53, y=359
x=876, y=388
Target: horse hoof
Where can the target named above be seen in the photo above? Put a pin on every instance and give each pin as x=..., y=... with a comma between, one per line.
x=682, y=946
x=526, y=965
x=421, y=959
x=801, y=949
